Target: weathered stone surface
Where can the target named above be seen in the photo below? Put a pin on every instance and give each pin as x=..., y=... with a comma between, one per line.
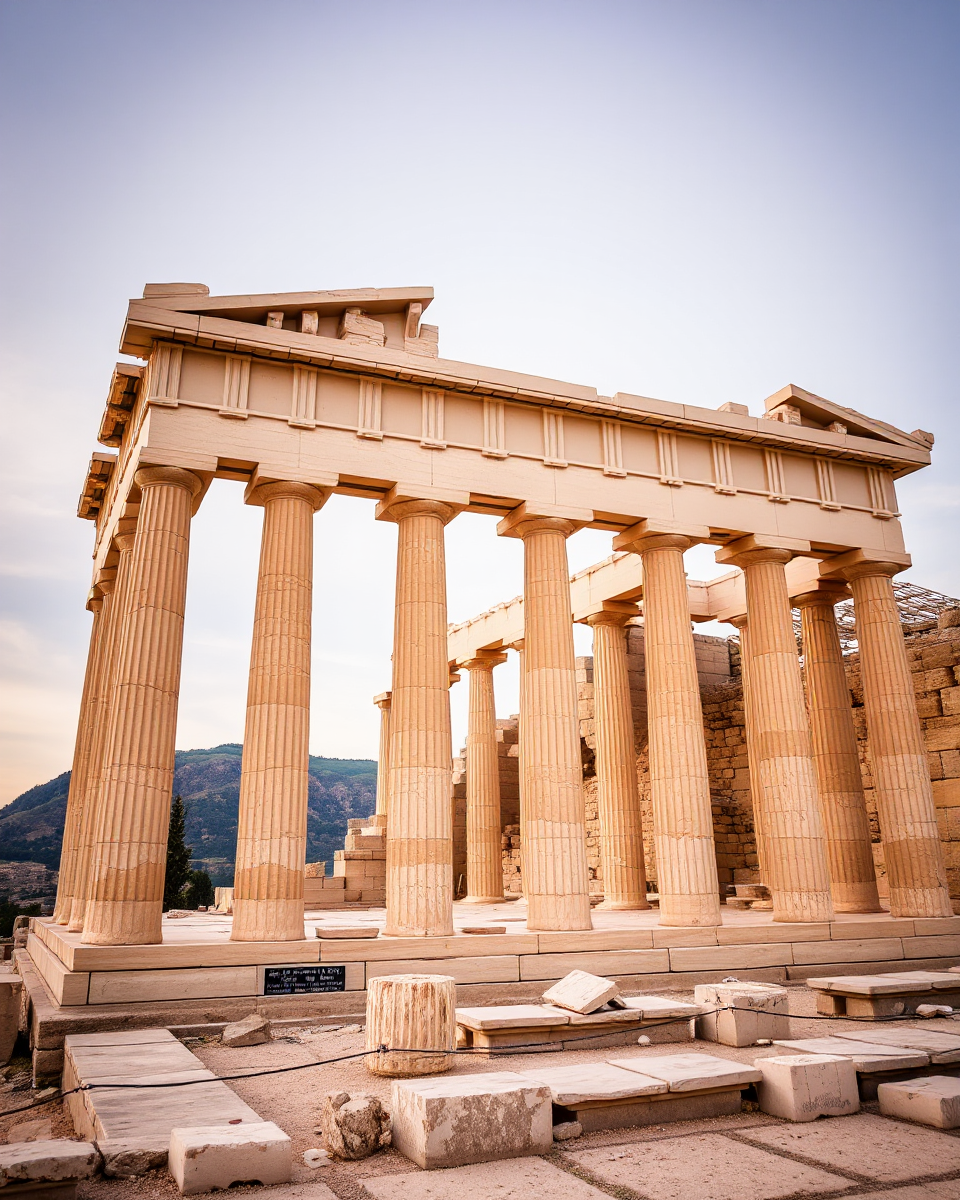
x=10, y=986
x=708, y=1166
x=331, y=932
x=932, y=1100
x=942, y=1047
x=49, y=1161
x=866, y=1056
x=408, y=1013
x=878, y=1149
x=567, y=1130
x=512, y=1016
x=802, y=1087
x=515, y=1179
x=585, y=1082
x=354, y=1127
x=217, y=1156
x=690, y=1072
x=251, y=1031
x=133, y=1156
x=748, y=1012
x=31, y=1131
x=471, y=1118
x=581, y=992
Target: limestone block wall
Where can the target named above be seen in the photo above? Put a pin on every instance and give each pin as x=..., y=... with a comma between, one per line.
x=934, y=656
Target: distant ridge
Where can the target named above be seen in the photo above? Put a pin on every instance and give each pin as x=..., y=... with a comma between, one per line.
x=31, y=827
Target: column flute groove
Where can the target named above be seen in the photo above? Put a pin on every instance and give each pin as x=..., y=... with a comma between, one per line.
x=484, y=858
x=274, y=781
x=913, y=854
x=134, y=807
x=618, y=797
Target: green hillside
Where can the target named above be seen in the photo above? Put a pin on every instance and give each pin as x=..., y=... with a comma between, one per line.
x=31, y=827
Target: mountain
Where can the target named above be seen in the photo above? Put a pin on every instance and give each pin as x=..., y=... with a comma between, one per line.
x=31, y=827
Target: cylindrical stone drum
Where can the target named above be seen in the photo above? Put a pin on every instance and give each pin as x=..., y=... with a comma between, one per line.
x=411, y=1013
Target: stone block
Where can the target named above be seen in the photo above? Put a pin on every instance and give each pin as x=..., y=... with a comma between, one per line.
x=802, y=1087
x=464, y=1119
x=47, y=1162
x=748, y=1012
x=690, y=1072
x=10, y=986
x=251, y=1031
x=213, y=1157
x=133, y=1156
x=581, y=992
x=932, y=1100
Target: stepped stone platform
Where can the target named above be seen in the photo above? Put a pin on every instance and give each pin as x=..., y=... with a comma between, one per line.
x=198, y=976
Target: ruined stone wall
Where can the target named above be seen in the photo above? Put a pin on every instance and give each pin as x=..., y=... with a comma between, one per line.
x=934, y=656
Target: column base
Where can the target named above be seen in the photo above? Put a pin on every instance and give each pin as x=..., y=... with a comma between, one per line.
x=622, y=905
x=697, y=912
x=267, y=920
x=856, y=898
x=801, y=907
x=481, y=900
x=920, y=902
x=563, y=914
x=75, y=917
x=123, y=923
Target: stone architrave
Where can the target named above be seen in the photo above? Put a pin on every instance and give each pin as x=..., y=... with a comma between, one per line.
x=484, y=858
x=795, y=855
x=618, y=798
x=420, y=816
x=383, y=703
x=842, y=802
x=134, y=812
x=272, y=821
x=116, y=593
x=553, y=818
x=679, y=781
x=912, y=852
x=752, y=737
x=81, y=766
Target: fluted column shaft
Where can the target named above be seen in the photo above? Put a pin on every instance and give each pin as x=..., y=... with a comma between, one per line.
x=618, y=797
x=272, y=821
x=843, y=806
x=679, y=781
x=79, y=771
x=484, y=858
x=134, y=811
x=116, y=592
x=912, y=851
x=556, y=879
x=752, y=738
x=795, y=857
x=383, y=702
x=420, y=812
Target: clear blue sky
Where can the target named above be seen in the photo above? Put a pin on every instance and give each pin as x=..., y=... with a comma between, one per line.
x=700, y=201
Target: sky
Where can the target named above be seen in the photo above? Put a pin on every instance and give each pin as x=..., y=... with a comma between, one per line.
x=698, y=200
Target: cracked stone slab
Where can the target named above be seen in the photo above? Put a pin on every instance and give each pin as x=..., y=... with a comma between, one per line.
x=509, y=1179
x=877, y=1149
x=942, y=1047
x=705, y=1167
x=586, y=1082
x=866, y=1056
x=690, y=1072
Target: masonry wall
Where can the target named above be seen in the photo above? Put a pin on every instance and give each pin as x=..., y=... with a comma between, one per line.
x=934, y=655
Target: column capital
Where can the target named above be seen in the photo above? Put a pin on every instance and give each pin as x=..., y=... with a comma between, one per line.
x=147, y=477
x=612, y=612
x=858, y=564
x=483, y=660
x=738, y=620
x=759, y=548
x=105, y=581
x=416, y=501
x=536, y=518
x=654, y=534
x=260, y=494
x=94, y=602
x=125, y=534
x=383, y=701
x=825, y=595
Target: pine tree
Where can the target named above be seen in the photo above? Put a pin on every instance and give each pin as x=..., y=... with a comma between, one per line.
x=178, y=856
x=199, y=891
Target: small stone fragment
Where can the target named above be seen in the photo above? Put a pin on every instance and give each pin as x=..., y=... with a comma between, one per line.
x=934, y=1010
x=251, y=1031
x=566, y=1130
x=581, y=992
x=481, y=929
x=316, y=1158
x=353, y=1128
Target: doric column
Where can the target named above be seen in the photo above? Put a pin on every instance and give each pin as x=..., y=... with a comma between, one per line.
x=134, y=808
x=842, y=803
x=81, y=765
x=420, y=812
x=484, y=859
x=752, y=738
x=383, y=760
x=795, y=859
x=679, y=782
x=272, y=822
x=556, y=879
x=618, y=798
x=115, y=586
x=912, y=852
